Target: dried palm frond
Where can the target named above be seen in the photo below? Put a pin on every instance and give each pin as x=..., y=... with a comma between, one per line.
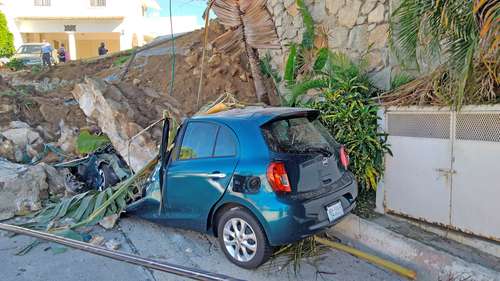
x=250, y=27
x=293, y=254
x=437, y=88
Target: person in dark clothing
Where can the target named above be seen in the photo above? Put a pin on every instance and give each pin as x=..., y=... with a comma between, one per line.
x=61, y=53
x=102, y=50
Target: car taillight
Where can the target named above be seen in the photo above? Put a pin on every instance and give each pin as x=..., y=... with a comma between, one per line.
x=277, y=177
x=344, y=157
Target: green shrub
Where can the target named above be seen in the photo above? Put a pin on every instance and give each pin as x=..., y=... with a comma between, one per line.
x=6, y=38
x=352, y=120
x=15, y=64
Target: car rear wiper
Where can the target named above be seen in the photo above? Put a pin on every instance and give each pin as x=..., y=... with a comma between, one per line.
x=324, y=151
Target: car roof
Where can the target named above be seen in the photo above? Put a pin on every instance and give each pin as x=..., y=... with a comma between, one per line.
x=257, y=114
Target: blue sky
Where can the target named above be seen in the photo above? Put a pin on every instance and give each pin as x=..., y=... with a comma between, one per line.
x=184, y=8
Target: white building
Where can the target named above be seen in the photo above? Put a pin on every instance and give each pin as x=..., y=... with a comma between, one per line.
x=81, y=25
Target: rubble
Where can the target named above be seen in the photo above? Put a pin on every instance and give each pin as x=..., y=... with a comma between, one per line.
x=22, y=188
x=109, y=221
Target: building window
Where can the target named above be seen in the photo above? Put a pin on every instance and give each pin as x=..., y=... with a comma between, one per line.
x=43, y=3
x=98, y=3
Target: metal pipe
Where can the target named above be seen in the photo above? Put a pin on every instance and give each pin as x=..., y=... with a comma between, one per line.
x=195, y=274
x=405, y=272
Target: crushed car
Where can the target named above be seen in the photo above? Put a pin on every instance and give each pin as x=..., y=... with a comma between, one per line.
x=254, y=177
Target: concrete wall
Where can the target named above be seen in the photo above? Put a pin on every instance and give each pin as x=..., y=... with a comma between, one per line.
x=355, y=27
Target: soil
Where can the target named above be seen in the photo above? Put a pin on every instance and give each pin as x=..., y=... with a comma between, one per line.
x=222, y=73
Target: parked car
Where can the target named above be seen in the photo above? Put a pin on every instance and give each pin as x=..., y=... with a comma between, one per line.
x=256, y=178
x=30, y=54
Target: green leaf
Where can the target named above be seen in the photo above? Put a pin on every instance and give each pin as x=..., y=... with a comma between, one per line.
x=307, y=19
x=300, y=89
x=291, y=66
x=87, y=143
x=321, y=59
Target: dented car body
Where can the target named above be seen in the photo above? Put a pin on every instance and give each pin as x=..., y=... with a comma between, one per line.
x=256, y=178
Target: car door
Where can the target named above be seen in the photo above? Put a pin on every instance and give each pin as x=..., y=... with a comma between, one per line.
x=199, y=173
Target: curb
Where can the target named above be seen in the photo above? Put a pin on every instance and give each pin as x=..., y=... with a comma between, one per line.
x=430, y=263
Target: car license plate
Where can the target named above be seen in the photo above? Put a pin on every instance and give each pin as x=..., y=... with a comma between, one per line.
x=334, y=211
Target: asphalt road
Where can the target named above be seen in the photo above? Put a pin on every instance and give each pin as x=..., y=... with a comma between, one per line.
x=47, y=262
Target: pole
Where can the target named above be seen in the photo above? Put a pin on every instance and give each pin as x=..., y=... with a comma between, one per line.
x=195, y=274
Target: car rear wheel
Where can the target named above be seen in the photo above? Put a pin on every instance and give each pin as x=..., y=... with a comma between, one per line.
x=242, y=239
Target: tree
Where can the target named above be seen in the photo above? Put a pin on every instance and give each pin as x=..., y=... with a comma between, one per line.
x=6, y=38
x=250, y=27
x=464, y=34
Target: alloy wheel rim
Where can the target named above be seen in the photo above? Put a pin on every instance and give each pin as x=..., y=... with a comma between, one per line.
x=240, y=240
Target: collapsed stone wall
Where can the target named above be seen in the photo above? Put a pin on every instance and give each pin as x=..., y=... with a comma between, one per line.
x=355, y=27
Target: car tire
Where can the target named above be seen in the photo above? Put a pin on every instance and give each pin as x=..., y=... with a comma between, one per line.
x=246, y=247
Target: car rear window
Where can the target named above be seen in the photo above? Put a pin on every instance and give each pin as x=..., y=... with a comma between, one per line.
x=298, y=135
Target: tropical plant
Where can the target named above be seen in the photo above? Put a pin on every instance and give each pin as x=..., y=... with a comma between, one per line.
x=6, y=38
x=250, y=27
x=464, y=34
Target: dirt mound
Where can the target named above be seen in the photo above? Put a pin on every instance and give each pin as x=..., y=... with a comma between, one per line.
x=222, y=73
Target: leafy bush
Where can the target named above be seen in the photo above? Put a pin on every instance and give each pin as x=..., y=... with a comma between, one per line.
x=6, y=38
x=352, y=120
x=15, y=64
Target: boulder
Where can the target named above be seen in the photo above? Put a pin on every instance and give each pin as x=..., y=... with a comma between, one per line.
x=121, y=115
x=21, y=134
x=22, y=188
x=67, y=139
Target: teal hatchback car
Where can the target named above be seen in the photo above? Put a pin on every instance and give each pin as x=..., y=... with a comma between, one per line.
x=256, y=178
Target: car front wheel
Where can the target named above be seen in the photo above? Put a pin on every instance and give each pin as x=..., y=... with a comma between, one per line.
x=242, y=239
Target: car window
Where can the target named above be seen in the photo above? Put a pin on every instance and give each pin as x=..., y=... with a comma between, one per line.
x=30, y=49
x=297, y=135
x=226, y=143
x=198, y=141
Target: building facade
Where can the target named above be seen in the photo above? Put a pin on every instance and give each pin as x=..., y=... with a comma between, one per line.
x=81, y=25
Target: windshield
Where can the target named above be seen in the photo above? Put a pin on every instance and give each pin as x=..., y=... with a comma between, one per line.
x=30, y=49
x=299, y=135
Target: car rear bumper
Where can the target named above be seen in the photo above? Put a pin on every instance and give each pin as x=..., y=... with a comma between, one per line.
x=302, y=218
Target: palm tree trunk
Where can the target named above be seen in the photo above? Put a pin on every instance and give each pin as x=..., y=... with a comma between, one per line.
x=260, y=88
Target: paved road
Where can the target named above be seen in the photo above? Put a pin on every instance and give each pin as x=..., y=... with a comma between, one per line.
x=167, y=244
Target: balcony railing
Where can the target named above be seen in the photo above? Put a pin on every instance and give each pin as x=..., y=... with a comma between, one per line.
x=97, y=3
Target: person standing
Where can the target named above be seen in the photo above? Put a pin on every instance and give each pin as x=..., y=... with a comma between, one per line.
x=47, y=53
x=102, y=50
x=61, y=54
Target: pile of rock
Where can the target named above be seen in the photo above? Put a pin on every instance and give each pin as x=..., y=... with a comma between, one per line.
x=23, y=187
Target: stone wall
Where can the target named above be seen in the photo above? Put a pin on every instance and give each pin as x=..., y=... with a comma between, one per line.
x=355, y=27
